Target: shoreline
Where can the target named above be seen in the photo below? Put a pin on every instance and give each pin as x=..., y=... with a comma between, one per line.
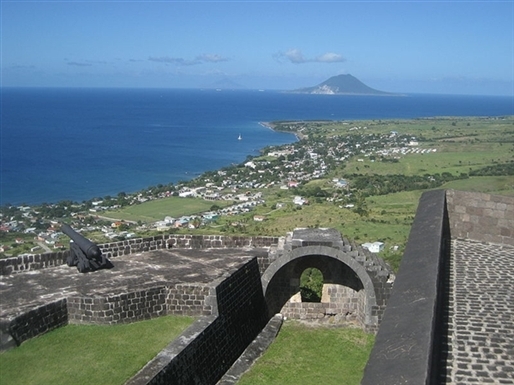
x=144, y=148
x=271, y=125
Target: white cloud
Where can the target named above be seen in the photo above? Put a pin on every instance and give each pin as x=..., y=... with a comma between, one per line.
x=330, y=57
x=296, y=56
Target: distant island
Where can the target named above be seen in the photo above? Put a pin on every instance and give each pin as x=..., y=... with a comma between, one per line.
x=342, y=85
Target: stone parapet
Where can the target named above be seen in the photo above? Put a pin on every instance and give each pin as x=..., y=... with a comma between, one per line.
x=123, y=308
x=192, y=300
x=32, y=262
x=138, y=245
x=32, y=323
x=481, y=217
x=181, y=299
x=409, y=339
x=441, y=322
x=206, y=350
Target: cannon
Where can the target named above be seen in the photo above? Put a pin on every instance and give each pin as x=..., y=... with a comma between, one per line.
x=84, y=254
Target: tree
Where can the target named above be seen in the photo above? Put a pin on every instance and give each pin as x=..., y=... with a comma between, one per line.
x=311, y=285
x=123, y=227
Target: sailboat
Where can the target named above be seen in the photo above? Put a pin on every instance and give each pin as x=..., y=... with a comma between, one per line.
x=239, y=137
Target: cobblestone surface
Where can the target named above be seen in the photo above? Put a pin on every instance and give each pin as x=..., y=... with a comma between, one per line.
x=481, y=314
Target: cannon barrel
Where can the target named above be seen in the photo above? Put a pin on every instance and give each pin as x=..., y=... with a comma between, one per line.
x=91, y=250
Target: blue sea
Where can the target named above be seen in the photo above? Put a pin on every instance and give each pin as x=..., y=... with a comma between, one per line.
x=78, y=144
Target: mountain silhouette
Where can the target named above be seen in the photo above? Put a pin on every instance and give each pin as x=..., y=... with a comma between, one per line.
x=341, y=85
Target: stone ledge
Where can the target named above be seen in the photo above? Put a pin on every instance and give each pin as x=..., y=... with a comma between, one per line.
x=408, y=334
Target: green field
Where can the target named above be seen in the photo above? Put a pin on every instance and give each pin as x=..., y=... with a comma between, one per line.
x=306, y=355
x=498, y=185
x=461, y=145
x=157, y=210
x=92, y=354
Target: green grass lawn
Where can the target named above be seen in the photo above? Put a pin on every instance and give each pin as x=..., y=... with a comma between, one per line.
x=89, y=354
x=306, y=355
x=156, y=210
x=94, y=354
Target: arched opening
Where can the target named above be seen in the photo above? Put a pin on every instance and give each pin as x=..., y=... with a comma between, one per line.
x=348, y=291
x=311, y=285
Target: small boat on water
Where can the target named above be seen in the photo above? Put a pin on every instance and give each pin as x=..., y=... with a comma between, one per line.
x=239, y=137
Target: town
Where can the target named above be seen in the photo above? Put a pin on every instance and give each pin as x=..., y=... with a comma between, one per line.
x=321, y=152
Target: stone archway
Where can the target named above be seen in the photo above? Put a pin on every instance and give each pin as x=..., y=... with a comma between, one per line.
x=340, y=263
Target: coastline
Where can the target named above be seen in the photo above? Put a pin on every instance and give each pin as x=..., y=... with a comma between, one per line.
x=135, y=139
x=190, y=176
x=294, y=165
x=272, y=126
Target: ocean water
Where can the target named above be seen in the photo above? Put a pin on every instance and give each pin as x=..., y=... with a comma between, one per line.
x=78, y=144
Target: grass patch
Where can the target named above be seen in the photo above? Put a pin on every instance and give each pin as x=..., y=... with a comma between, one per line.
x=389, y=220
x=308, y=355
x=453, y=159
x=156, y=210
x=89, y=354
x=499, y=185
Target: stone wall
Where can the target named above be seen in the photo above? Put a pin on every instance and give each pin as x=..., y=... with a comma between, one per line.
x=32, y=262
x=409, y=341
x=183, y=241
x=234, y=313
x=123, y=308
x=33, y=323
x=192, y=300
x=338, y=303
x=138, y=245
x=482, y=217
x=210, y=346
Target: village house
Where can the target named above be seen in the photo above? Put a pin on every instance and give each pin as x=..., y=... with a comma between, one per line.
x=340, y=183
x=299, y=201
x=374, y=247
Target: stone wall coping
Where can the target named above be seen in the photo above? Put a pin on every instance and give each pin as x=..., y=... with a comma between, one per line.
x=404, y=346
x=164, y=357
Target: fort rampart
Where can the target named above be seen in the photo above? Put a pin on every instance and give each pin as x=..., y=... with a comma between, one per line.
x=233, y=308
x=414, y=342
x=137, y=245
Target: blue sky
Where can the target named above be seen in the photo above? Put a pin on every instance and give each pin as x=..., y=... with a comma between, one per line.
x=452, y=47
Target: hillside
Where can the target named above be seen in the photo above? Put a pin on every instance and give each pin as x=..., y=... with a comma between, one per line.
x=342, y=85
